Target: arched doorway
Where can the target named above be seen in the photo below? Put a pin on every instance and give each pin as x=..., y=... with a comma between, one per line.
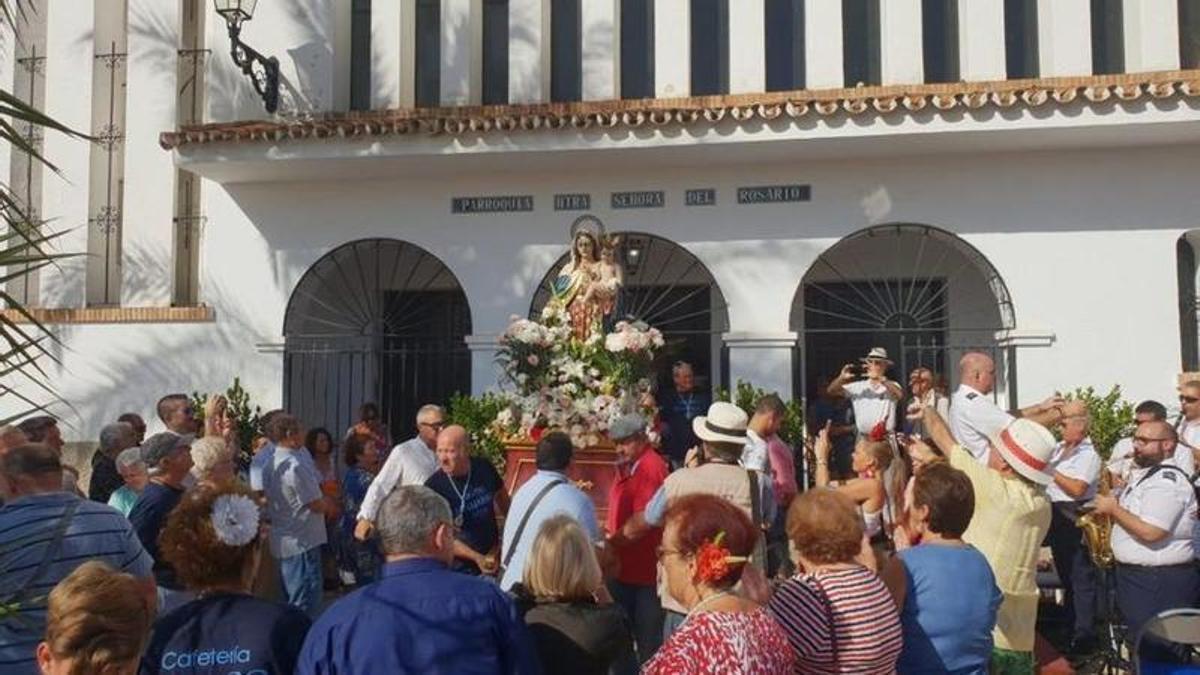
x=374, y=320
x=921, y=292
x=667, y=287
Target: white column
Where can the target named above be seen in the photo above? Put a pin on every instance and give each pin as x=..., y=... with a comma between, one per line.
x=901, y=59
x=762, y=358
x=672, y=48
x=1151, y=35
x=387, y=41
x=1064, y=37
x=460, y=53
x=747, y=47
x=528, y=49
x=981, y=40
x=823, y=44
x=485, y=373
x=601, y=37
x=341, y=12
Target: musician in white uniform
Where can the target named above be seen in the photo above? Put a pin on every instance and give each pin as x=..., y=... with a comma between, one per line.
x=1153, y=521
x=974, y=417
x=1120, y=460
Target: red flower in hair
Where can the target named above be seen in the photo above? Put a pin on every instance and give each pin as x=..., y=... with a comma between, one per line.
x=878, y=432
x=713, y=562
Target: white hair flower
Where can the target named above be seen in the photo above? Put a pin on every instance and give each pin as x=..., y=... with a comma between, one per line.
x=235, y=519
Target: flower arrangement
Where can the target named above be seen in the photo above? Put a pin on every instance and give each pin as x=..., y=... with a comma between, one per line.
x=577, y=386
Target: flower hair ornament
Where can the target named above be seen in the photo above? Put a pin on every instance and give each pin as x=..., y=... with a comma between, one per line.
x=713, y=561
x=235, y=519
x=879, y=432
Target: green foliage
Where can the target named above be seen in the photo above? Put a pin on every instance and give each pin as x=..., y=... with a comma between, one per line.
x=248, y=419
x=745, y=395
x=478, y=416
x=1112, y=416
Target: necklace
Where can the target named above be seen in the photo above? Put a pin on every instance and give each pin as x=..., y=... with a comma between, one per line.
x=704, y=602
x=462, y=497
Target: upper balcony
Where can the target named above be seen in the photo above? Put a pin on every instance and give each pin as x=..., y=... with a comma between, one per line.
x=828, y=76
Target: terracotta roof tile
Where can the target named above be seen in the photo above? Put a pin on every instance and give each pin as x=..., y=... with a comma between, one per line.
x=742, y=108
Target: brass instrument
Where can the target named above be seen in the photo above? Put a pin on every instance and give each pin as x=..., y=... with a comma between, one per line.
x=1097, y=529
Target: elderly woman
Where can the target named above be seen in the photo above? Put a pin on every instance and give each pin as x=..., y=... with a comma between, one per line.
x=944, y=588
x=213, y=540
x=96, y=623
x=575, y=626
x=212, y=462
x=839, y=616
x=707, y=542
x=360, y=561
x=133, y=472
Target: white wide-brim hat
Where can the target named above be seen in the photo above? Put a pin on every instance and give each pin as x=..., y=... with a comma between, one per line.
x=1027, y=447
x=876, y=354
x=724, y=423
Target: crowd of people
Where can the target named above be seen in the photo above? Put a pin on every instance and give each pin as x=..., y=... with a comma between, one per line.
x=915, y=549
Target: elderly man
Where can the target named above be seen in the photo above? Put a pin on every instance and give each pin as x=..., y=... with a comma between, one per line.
x=1077, y=467
x=105, y=480
x=921, y=388
x=873, y=397
x=546, y=494
x=640, y=473
x=410, y=463
x=420, y=617
x=47, y=534
x=168, y=458
x=1153, y=523
x=177, y=413
x=677, y=408
x=974, y=417
x=718, y=471
x=133, y=473
x=1012, y=516
x=476, y=495
x=1189, y=427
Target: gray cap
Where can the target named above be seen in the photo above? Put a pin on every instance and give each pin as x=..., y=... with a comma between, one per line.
x=158, y=446
x=625, y=426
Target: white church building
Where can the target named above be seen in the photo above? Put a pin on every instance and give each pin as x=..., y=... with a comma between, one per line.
x=795, y=181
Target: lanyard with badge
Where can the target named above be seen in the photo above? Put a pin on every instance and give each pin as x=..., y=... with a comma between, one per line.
x=462, y=497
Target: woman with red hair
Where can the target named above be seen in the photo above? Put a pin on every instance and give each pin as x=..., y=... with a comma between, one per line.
x=706, y=544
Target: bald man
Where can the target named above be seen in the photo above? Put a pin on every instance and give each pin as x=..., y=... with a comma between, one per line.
x=974, y=416
x=476, y=494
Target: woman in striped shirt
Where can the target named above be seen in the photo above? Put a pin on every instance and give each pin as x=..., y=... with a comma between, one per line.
x=838, y=615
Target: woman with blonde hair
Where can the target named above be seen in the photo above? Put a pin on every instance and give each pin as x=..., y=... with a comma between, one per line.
x=871, y=460
x=212, y=462
x=213, y=540
x=574, y=624
x=96, y=623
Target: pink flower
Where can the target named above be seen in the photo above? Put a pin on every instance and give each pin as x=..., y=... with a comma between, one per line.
x=532, y=359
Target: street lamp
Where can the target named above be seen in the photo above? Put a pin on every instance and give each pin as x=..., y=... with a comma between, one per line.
x=262, y=71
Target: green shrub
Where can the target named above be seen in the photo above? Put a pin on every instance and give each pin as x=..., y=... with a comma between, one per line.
x=1112, y=417
x=477, y=416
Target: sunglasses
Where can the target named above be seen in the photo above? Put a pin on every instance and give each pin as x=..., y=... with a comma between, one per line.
x=434, y=425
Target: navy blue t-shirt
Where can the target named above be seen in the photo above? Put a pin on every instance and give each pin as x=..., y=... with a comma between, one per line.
x=148, y=516
x=227, y=633
x=474, y=498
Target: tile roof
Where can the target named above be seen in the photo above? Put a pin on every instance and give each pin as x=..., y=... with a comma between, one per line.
x=740, y=108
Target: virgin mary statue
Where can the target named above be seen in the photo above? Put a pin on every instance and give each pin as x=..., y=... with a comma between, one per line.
x=572, y=288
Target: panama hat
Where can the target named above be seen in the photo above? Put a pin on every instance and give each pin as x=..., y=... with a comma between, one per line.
x=876, y=354
x=1027, y=447
x=724, y=423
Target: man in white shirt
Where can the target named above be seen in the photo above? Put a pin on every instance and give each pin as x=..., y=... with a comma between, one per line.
x=410, y=463
x=1120, y=460
x=1076, y=466
x=874, y=397
x=1153, y=523
x=974, y=417
x=1189, y=427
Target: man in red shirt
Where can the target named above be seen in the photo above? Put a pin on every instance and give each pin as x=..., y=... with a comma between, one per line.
x=640, y=472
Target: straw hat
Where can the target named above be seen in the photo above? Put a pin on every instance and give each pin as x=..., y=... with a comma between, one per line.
x=1027, y=447
x=724, y=423
x=877, y=354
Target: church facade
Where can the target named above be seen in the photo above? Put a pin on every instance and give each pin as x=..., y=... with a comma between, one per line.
x=794, y=182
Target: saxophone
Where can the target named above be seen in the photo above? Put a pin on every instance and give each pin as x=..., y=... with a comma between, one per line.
x=1097, y=529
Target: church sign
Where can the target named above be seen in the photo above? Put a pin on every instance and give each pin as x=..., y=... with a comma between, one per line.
x=498, y=204
x=649, y=199
x=701, y=197
x=580, y=201
x=772, y=194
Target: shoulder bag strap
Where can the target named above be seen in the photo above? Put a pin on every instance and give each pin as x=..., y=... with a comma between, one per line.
x=756, y=512
x=512, y=548
x=60, y=532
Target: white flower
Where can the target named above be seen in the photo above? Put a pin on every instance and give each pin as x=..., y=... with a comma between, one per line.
x=235, y=519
